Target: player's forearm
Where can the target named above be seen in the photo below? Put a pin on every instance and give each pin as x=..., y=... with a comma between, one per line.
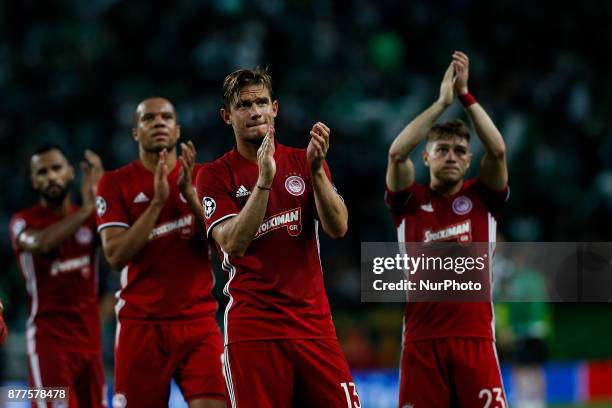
x=236, y=235
x=414, y=133
x=48, y=239
x=121, y=248
x=400, y=175
x=486, y=130
x=330, y=207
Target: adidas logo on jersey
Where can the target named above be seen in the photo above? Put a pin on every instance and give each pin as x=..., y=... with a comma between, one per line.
x=141, y=198
x=427, y=207
x=242, y=192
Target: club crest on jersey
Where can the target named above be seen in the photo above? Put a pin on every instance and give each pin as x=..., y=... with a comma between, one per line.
x=291, y=219
x=461, y=232
x=100, y=206
x=84, y=236
x=462, y=205
x=209, y=205
x=295, y=185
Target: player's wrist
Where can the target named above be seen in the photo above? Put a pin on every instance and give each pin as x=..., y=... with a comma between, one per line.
x=317, y=170
x=467, y=99
x=443, y=103
x=86, y=209
x=265, y=182
x=157, y=203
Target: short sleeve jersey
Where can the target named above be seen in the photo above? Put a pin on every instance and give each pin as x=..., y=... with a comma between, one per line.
x=276, y=289
x=421, y=215
x=61, y=285
x=170, y=278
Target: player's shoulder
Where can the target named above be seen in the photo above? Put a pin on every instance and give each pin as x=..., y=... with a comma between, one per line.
x=475, y=186
x=292, y=152
x=218, y=167
x=29, y=213
x=34, y=216
x=123, y=172
x=121, y=180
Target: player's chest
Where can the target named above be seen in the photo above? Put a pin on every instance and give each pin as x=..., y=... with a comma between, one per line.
x=463, y=219
x=290, y=190
x=138, y=198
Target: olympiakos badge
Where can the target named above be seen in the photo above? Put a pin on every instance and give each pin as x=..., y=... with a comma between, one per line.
x=295, y=185
x=462, y=205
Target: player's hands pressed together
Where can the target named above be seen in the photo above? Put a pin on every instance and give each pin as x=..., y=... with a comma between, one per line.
x=92, y=172
x=160, y=179
x=187, y=159
x=318, y=146
x=461, y=63
x=265, y=159
x=446, y=87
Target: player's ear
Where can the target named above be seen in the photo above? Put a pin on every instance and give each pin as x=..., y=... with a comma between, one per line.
x=275, y=108
x=178, y=132
x=426, y=158
x=134, y=134
x=225, y=116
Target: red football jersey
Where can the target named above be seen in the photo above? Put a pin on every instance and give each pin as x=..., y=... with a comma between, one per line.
x=421, y=215
x=171, y=277
x=62, y=285
x=276, y=289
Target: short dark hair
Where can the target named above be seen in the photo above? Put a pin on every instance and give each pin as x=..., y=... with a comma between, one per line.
x=136, y=115
x=449, y=129
x=46, y=147
x=234, y=82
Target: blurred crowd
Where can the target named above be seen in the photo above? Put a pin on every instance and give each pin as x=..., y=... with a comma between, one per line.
x=72, y=73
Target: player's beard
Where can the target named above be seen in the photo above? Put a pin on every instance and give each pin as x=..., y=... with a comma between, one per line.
x=156, y=148
x=55, y=199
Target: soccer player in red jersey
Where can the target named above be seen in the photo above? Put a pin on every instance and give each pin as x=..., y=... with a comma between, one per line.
x=55, y=244
x=263, y=203
x=3, y=329
x=448, y=357
x=152, y=229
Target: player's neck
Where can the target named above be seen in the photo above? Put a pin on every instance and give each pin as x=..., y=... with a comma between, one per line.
x=149, y=159
x=247, y=150
x=445, y=190
x=62, y=209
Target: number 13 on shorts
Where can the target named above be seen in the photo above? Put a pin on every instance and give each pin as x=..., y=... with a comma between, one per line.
x=350, y=392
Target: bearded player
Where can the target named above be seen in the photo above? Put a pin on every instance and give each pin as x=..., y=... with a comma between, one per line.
x=448, y=357
x=55, y=244
x=152, y=229
x=263, y=203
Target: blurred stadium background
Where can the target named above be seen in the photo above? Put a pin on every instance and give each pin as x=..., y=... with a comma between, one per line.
x=71, y=72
